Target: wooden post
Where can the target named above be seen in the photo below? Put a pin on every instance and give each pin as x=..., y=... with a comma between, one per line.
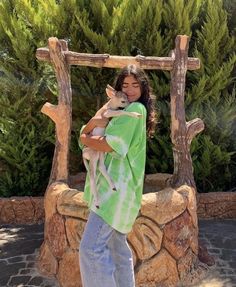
x=61, y=114
x=182, y=133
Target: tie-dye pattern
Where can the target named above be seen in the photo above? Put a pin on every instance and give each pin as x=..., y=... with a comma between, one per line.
x=125, y=165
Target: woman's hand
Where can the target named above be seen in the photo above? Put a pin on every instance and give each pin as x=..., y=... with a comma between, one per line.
x=96, y=121
x=100, y=121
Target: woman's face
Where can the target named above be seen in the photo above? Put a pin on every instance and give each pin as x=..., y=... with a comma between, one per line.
x=131, y=88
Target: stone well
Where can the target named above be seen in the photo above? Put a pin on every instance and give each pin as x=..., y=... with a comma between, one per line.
x=164, y=238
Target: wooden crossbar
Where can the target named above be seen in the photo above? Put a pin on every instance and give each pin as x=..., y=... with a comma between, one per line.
x=109, y=61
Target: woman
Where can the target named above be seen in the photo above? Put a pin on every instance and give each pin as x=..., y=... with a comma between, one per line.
x=105, y=257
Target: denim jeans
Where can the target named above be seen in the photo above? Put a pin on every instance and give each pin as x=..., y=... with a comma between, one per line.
x=105, y=257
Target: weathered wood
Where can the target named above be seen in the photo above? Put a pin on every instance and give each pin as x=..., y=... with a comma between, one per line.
x=61, y=113
x=105, y=60
x=182, y=133
x=194, y=127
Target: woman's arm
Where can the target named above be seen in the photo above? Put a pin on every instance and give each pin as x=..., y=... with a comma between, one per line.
x=93, y=123
x=98, y=143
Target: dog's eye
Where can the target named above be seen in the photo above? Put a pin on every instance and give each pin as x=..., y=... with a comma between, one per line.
x=123, y=102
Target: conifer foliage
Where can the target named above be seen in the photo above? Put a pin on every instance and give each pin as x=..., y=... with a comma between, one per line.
x=116, y=27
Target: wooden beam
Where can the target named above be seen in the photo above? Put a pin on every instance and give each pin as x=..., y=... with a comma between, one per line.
x=105, y=60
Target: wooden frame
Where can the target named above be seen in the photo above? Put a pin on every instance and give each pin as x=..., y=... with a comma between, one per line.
x=178, y=63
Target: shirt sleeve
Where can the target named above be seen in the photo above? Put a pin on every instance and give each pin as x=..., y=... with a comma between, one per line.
x=123, y=130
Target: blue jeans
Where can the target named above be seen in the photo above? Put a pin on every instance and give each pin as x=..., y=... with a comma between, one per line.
x=105, y=256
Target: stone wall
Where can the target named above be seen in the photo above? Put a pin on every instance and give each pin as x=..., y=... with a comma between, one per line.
x=29, y=210
x=216, y=205
x=21, y=210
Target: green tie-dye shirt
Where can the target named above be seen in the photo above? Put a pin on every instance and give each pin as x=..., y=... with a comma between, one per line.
x=125, y=165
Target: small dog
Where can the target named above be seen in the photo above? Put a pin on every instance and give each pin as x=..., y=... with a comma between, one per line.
x=92, y=158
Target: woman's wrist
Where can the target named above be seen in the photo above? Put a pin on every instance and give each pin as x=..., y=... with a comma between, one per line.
x=98, y=143
x=89, y=127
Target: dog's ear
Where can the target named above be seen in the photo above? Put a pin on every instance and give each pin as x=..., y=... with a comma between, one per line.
x=110, y=91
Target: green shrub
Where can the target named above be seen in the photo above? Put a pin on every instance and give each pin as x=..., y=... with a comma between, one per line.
x=116, y=27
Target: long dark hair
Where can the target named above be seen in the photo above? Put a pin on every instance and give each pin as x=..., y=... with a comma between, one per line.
x=146, y=93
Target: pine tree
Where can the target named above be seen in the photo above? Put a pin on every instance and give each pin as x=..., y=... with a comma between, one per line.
x=211, y=99
x=116, y=27
x=26, y=141
x=230, y=7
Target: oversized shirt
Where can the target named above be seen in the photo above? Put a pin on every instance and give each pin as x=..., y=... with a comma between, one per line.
x=125, y=165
